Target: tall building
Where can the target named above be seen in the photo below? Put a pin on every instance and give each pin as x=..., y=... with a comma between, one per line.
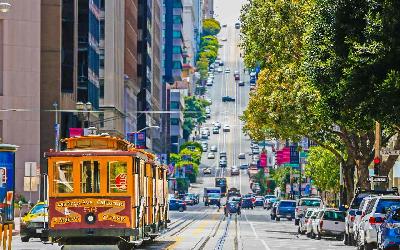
x=20, y=87
x=191, y=29
x=132, y=87
x=208, y=9
x=149, y=72
x=111, y=68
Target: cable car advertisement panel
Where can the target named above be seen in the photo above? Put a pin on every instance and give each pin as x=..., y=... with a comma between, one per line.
x=70, y=213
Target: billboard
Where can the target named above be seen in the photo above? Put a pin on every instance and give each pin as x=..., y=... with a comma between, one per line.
x=137, y=138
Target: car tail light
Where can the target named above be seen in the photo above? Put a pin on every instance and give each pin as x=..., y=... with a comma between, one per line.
x=375, y=220
x=321, y=223
x=184, y=203
x=306, y=221
x=352, y=217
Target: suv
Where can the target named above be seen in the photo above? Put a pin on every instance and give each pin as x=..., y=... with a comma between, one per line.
x=329, y=222
x=302, y=205
x=374, y=216
x=354, y=206
x=285, y=209
x=360, y=213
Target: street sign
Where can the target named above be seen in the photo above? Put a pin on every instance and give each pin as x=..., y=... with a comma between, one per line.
x=378, y=179
x=388, y=151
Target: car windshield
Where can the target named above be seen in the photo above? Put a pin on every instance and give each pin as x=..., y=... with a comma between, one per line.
x=334, y=215
x=308, y=214
x=287, y=204
x=357, y=200
x=385, y=204
x=39, y=208
x=310, y=203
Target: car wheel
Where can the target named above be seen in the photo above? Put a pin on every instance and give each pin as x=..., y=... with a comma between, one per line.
x=359, y=245
x=180, y=209
x=296, y=222
x=290, y=219
x=25, y=239
x=298, y=230
x=340, y=237
x=318, y=236
x=277, y=219
x=346, y=240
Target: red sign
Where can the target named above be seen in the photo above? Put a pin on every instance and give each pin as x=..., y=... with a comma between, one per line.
x=263, y=159
x=283, y=156
x=121, y=181
x=74, y=132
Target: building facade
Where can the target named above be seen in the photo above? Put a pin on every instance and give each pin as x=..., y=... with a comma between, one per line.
x=20, y=88
x=208, y=9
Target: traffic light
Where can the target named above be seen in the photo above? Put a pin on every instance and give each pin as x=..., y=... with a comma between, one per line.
x=377, y=165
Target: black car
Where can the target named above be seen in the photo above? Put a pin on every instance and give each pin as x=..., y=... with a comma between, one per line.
x=241, y=83
x=247, y=203
x=228, y=99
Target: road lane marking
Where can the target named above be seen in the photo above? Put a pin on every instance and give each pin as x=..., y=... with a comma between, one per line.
x=255, y=233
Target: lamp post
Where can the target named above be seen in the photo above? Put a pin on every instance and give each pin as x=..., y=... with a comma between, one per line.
x=5, y=6
x=82, y=109
x=143, y=129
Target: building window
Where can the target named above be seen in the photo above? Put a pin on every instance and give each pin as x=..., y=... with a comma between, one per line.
x=101, y=120
x=174, y=105
x=101, y=83
x=176, y=34
x=176, y=65
x=67, y=46
x=174, y=121
x=90, y=177
x=177, y=50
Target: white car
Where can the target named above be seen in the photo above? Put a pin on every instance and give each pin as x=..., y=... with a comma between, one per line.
x=302, y=206
x=227, y=70
x=206, y=170
x=211, y=155
x=219, y=70
x=309, y=223
x=302, y=229
x=329, y=222
x=359, y=214
x=226, y=128
x=217, y=124
x=242, y=156
x=224, y=39
x=374, y=216
x=209, y=83
x=213, y=148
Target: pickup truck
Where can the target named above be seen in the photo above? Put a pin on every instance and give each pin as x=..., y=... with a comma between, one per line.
x=329, y=222
x=303, y=204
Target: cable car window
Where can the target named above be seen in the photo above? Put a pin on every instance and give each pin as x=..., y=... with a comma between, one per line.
x=63, y=177
x=117, y=177
x=90, y=177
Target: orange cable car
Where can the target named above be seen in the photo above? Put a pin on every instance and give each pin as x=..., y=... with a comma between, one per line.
x=104, y=191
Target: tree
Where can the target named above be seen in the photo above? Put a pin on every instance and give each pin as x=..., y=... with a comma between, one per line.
x=209, y=41
x=195, y=113
x=281, y=176
x=211, y=27
x=191, y=145
x=323, y=168
x=202, y=66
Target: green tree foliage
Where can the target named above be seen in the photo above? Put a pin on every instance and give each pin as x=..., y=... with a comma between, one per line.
x=281, y=177
x=202, y=66
x=191, y=145
x=211, y=27
x=329, y=72
x=195, y=114
x=323, y=167
x=209, y=41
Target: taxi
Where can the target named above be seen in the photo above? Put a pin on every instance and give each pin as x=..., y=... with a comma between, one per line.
x=34, y=222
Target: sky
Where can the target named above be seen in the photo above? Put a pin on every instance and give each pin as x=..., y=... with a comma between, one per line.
x=228, y=11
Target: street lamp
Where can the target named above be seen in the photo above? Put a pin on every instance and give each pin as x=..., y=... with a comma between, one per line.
x=84, y=108
x=5, y=6
x=143, y=129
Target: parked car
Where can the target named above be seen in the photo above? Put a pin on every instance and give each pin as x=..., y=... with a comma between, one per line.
x=374, y=216
x=177, y=204
x=302, y=228
x=259, y=201
x=388, y=232
x=273, y=210
x=303, y=204
x=213, y=148
x=228, y=99
x=359, y=215
x=206, y=171
x=247, y=203
x=34, y=222
x=226, y=128
x=329, y=222
x=309, y=223
x=354, y=206
x=211, y=155
x=242, y=156
x=269, y=200
x=285, y=209
x=235, y=171
x=204, y=148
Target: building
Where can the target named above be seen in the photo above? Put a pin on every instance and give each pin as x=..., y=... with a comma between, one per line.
x=20, y=88
x=132, y=87
x=208, y=9
x=191, y=30
x=111, y=68
x=149, y=72
x=176, y=105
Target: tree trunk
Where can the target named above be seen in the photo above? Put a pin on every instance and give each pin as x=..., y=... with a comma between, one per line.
x=348, y=178
x=363, y=174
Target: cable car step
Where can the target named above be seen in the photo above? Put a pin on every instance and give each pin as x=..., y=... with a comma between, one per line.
x=153, y=235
